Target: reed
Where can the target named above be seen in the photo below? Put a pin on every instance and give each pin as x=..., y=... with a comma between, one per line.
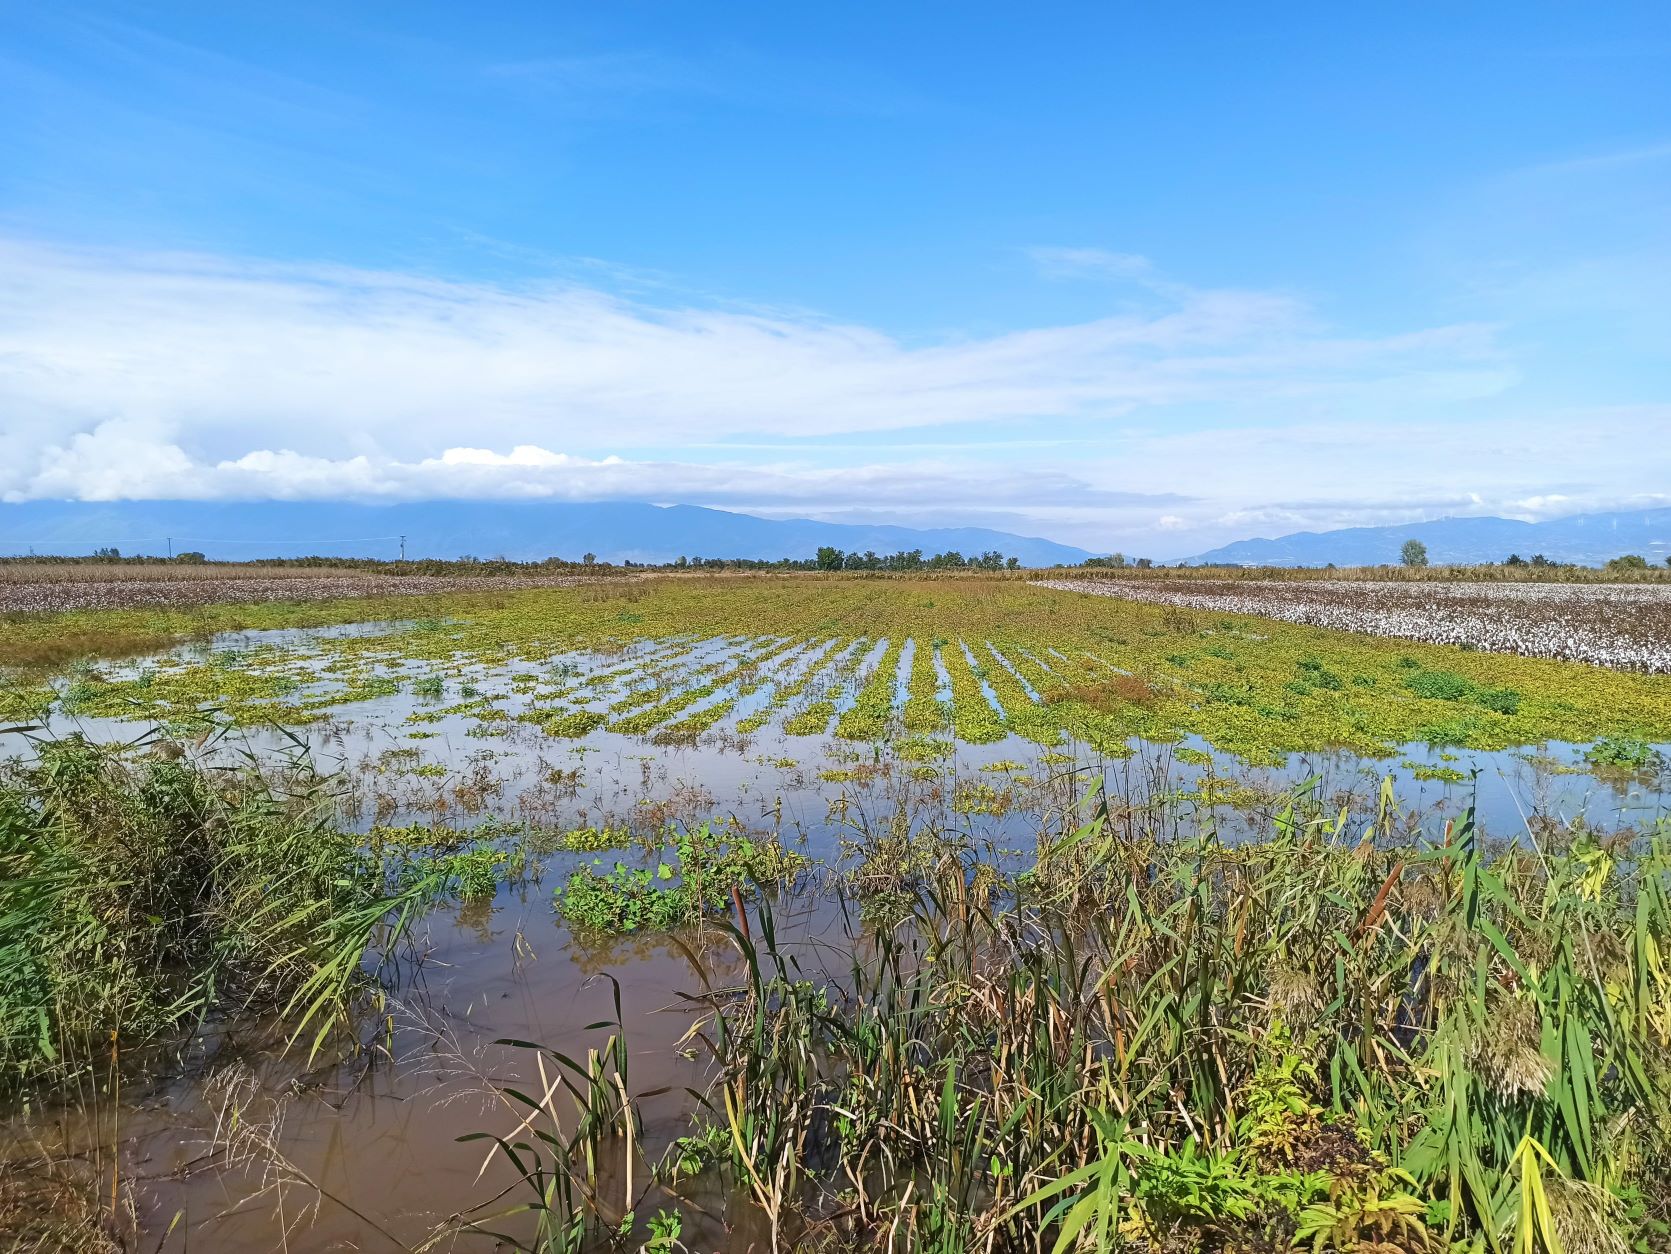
x=1162, y=1042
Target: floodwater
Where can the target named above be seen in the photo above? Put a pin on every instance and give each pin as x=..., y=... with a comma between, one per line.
x=362, y=1152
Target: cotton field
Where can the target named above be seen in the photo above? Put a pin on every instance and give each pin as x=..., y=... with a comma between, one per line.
x=60, y=589
x=1625, y=626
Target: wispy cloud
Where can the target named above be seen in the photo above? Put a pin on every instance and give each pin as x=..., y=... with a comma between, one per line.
x=731, y=74
x=211, y=354
x=1596, y=162
x=1100, y=263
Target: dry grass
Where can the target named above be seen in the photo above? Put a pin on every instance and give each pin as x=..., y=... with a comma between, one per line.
x=1107, y=695
x=53, y=1206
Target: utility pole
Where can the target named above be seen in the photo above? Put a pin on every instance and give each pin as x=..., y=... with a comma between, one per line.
x=171, y=548
x=403, y=548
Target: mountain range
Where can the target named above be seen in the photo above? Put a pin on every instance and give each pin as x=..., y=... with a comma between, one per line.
x=1584, y=539
x=519, y=530
x=633, y=531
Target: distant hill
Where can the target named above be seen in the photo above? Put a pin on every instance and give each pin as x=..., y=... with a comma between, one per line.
x=1585, y=539
x=519, y=530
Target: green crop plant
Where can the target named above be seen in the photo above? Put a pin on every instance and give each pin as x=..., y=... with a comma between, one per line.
x=1623, y=753
x=693, y=876
x=973, y=717
x=924, y=710
x=871, y=715
x=1282, y=687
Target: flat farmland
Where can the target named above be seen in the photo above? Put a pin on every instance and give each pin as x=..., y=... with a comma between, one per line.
x=46, y=588
x=825, y=866
x=1620, y=625
x=980, y=659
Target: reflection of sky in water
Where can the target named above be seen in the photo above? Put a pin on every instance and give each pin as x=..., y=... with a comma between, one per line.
x=410, y=763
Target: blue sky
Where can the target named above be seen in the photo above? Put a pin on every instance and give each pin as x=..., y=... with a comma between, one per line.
x=1141, y=277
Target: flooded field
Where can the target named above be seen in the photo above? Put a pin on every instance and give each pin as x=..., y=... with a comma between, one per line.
x=661, y=818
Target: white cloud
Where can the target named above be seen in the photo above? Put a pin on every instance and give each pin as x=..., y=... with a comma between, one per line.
x=222, y=358
x=107, y=465
x=1215, y=411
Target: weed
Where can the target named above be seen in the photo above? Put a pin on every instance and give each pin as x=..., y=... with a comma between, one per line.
x=1623, y=753
x=695, y=876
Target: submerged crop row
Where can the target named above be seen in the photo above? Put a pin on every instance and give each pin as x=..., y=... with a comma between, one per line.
x=890, y=658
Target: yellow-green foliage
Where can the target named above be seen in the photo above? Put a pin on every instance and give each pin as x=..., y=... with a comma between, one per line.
x=1105, y=670
x=923, y=709
x=869, y=717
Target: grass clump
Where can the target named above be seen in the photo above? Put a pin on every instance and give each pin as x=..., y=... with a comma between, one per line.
x=1310, y=1043
x=141, y=897
x=1437, y=685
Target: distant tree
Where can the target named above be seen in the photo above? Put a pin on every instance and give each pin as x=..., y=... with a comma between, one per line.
x=1514, y=559
x=190, y=558
x=1012, y=563
x=1540, y=561
x=1144, y=563
x=1629, y=561
x=107, y=555
x=829, y=557
x=590, y=559
x=1414, y=553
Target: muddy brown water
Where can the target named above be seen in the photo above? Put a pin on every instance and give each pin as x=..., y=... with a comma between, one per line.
x=362, y=1152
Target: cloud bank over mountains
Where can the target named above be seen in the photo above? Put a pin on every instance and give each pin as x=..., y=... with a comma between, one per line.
x=1184, y=411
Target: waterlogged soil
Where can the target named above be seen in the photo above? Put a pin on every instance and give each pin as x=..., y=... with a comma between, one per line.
x=810, y=724
x=980, y=658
